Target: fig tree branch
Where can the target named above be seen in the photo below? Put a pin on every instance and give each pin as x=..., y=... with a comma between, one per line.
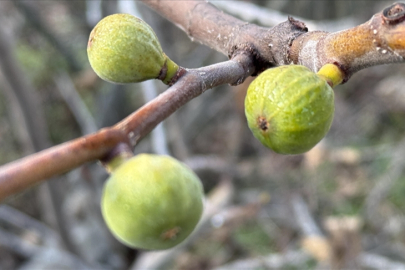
x=378, y=41
x=18, y=175
x=206, y=24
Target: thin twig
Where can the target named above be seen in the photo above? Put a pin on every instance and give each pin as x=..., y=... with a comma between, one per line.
x=20, y=174
x=75, y=103
x=304, y=218
x=375, y=261
x=28, y=250
x=36, y=21
x=212, y=163
x=37, y=129
x=384, y=184
x=192, y=84
x=93, y=12
x=272, y=261
x=17, y=245
x=23, y=221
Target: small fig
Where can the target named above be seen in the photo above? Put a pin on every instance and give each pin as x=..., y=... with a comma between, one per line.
x=124, y=49
x=289, y=108
x=152, y=202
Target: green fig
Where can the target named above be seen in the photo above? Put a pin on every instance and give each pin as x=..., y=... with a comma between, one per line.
x=289, y=108
x=124, y=49
x=152, y=202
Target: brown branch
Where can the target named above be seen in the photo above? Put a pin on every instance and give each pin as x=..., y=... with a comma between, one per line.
x=18, y=175
x=192, y=84
x=206, y=24
x=378, y=41
x=23, y=173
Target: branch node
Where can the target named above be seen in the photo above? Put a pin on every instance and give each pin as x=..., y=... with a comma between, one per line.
x=394, y=14
x=298, y=24
x=249, y=50
x=180, y=72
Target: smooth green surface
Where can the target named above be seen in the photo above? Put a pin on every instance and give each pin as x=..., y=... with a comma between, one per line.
x=124, y=49
x=297, y=105
x=150, y=196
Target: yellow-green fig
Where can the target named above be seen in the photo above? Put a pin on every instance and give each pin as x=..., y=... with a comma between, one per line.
x=152, y=202
x=124, y=49
x=289, y=108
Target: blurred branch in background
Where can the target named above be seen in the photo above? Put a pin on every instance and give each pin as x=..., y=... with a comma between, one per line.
x=272, y=261
x=313, y=240
x=41, y=256
x=35, y=124
x=36, y=21
x=24, y=93
x=158, y=134
x=34, y=239
x=253, y=13
x=383, y=186
x=93, y=12
x=342, y=248
x=75, y=103
x=219, y=198
x=374, y=261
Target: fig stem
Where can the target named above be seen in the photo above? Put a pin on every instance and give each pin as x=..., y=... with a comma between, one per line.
x=171, y=70
x=121, y=153
x=332, y=74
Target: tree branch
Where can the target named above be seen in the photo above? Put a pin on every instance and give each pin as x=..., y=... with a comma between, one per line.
x=23, y=173
x=378, y=41
x=192, y=84
x=20, y=174
x=206, y=24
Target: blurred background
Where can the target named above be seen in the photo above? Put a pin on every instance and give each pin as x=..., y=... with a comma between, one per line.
x=341, y=205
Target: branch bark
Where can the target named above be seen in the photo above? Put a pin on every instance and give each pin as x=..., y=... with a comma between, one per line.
x=206, y=24
x=378, y=41
x=18, y=175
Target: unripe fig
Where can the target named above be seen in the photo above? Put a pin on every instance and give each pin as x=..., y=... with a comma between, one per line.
x=152, y=202
x=289, y=108
x=124, y=49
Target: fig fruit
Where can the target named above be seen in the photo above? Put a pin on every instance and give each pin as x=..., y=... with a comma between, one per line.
x=152, y=202
x=124, y=49
x=289, y=108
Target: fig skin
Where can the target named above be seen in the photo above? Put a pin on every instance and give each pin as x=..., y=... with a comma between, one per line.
x=289, y=108
x=152, y=202
x=124, y=49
